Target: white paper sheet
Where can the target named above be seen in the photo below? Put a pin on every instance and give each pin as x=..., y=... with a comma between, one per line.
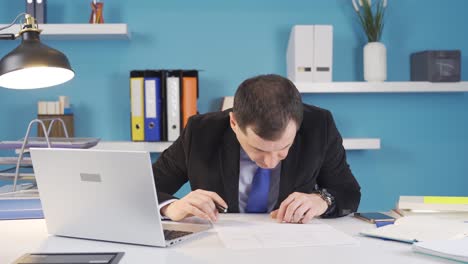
x=249, y=234
x=451, y=249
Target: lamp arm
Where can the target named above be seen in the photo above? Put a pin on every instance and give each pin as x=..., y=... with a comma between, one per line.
x=8, y=36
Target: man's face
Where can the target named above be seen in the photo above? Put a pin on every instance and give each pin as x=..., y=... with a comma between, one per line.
x=265, y=153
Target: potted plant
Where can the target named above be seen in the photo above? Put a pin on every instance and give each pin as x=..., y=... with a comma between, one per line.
x=371, y=18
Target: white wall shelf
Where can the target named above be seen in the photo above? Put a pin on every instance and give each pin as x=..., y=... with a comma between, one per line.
x=154, y=147
x=158, y=147
x=370, y=87
x=361, y=143
x=77, y=31
x=381, y=87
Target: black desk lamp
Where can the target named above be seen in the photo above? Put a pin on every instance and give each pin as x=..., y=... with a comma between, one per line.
x=32, y=64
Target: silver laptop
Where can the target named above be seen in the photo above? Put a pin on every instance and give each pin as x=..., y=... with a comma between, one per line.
x=104, y=195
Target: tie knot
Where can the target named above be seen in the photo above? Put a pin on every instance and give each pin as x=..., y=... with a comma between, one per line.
x=264, y=172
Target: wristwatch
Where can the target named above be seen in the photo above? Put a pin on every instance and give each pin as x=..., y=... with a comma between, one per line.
x=326, y=196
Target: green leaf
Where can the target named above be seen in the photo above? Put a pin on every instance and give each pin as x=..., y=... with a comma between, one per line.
x=372, y=23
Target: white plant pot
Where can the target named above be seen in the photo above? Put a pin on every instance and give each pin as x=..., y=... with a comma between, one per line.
x=375, y=62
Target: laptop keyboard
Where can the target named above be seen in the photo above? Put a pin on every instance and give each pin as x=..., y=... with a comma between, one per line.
x=173, y=234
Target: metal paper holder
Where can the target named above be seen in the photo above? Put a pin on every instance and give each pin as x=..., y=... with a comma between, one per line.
x=42, y=126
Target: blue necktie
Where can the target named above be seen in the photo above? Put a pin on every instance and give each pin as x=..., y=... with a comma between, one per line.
x=258, y=196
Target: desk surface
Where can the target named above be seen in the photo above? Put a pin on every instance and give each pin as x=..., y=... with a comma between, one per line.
x=22, y=236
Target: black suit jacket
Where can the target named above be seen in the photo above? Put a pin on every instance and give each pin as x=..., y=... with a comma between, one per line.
x=207, y=155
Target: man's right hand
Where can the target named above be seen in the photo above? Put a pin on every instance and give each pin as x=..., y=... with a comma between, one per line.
x=198, y=203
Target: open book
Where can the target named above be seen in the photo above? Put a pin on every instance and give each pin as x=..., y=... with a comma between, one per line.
x=418, y=228
x=456, y=249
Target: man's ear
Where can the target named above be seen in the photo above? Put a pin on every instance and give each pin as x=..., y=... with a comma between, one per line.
x=233, y=122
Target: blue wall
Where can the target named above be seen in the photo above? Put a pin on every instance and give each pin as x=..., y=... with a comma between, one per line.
x=424, y=141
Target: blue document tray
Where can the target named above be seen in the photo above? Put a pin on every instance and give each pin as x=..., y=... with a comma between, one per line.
x=11, y=209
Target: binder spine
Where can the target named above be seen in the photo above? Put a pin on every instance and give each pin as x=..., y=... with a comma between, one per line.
x=137, y=106
x=189, y=95
x=152, y=109
x=30, y=7
x=163, y=114
x=173, y=108
x=41, y=11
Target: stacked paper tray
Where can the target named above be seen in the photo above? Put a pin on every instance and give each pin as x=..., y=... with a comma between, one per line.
x=23, y=208
x=14, y=160
x=25, y=173
x=40, y=142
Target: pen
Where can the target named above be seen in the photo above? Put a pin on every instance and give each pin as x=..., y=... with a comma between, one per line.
x=220, y=208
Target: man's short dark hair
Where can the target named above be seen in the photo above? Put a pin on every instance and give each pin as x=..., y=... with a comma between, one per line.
x=267, y=103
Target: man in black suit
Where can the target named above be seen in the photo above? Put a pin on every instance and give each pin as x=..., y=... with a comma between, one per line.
x=270, y=153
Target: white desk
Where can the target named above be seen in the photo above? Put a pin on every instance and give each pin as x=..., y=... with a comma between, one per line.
x=23, y=236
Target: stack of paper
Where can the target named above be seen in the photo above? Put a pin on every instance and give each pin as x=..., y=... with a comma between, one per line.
x=451, y=249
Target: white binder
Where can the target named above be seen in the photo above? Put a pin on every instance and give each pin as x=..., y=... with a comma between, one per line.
x=309, y=55
x=173, y=108
x=323, y=53
x=300, y=54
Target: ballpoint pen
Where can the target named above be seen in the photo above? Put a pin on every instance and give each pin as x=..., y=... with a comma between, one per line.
x=221, y=209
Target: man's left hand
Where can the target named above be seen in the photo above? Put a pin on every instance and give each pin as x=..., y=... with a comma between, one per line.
x=300, y=208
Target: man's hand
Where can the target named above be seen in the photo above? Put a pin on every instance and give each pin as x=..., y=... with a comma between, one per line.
x=198, y=203
x=300, y=208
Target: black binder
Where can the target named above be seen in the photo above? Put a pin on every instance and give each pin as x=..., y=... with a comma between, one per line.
x=40, y=7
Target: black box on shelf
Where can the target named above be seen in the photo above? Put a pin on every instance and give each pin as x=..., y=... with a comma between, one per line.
x=436, y=66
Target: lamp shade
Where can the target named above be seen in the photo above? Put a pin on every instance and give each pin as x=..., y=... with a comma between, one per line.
x=34, y=65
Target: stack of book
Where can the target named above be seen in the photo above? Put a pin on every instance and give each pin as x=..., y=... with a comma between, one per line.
x=161, y=103
x=431, y=204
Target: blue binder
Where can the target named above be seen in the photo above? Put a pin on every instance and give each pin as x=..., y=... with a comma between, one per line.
x=153, y=109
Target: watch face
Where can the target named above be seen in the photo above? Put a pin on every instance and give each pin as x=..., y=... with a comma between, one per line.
x=327, y=200
x=326, y=197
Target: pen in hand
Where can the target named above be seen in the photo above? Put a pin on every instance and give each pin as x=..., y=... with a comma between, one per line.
x=221, y=209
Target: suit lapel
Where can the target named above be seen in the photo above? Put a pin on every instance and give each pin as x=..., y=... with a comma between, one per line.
x=229, y=161
x=289, y=171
